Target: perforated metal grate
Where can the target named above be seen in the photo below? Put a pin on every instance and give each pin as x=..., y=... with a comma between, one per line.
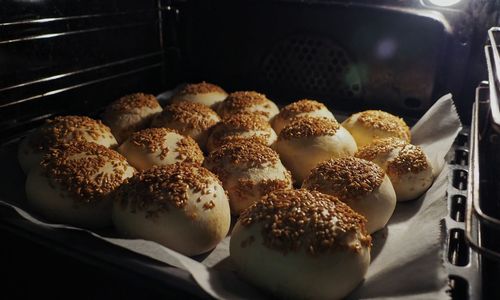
x=312, y=65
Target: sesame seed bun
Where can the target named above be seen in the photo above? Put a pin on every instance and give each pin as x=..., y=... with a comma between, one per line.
x=204, y=93
x=308, y=141
x=301, y=108
x=360, y=184
x=407, y=166
x=73, y=184
x=131, y=113
x=190, y=119
x=159, y=147
x=248, y=102
x=369, y=125
x=60, y=130
x=301, y=244
x=180, y=206
x=241, y=126
x=248, y=171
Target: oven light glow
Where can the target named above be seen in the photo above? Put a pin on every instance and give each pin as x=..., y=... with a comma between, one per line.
x=444, y=2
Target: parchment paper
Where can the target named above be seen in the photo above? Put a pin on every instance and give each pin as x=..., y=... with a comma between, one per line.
x=406, y=255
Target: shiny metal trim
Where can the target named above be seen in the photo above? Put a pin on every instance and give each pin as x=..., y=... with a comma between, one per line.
x=58, y=34
x=54, y=77
x=49, y=93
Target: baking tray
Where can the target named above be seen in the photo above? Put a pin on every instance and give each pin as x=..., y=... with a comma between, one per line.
x=464, y=278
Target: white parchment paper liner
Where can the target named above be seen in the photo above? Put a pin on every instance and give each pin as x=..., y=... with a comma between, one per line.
x=406, y=256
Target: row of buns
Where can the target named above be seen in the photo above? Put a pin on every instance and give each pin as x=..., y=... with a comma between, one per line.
x=145, y=172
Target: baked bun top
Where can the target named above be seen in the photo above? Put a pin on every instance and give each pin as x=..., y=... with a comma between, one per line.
x=245, y=154
x=129, y=103
x=410, y=159
x=346, y=178
x=158, y=189
x=384, y=121
x=65, y=129
x=309, y=127
x=200, y=88
x=153, y=140
x=191, y=114
x=301, y=219
x=87, y=171
x=247, y=102
x=301, y=106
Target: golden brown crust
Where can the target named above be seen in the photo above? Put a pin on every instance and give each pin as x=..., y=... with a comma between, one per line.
x=153, y=140
x=411, y=159
x=160, y=189
x=309, y=127
x=231, y=128
x=201, y=88
x=130, y=102
x=240, y=102
x=379, y=147
x=246, y=152
x=190, y=114
x=75, y=166
x=385, y=121
x=64, y=129
x=301, y=106
x=346, y=178
x=300, y=219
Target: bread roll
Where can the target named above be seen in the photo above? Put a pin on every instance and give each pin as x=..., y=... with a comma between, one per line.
x=360, y=184
x=308, y=141
x=407, y=166
x=239, y=127
x=189, y=118
x=248, y=102
x=131, y=113
x=159, y=147
x=301, y=244
x=61, y=130
x=181, y=206
x=301, y=108
x=204, y=93
x=369, y=125
x=248, y=171
x=73, y=183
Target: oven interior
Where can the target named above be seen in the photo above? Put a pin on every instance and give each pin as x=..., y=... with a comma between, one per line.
x=62, y=57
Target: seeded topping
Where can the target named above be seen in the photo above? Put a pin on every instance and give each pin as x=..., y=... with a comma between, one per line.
x=190, y=114
x=301, y=106
x=201, y=88
x=385, y=121
x=246, y=152
x=240, y=102
x=133, y=101
x=309, y=127
x=232, y=128
x=245, y=122
x=77, y=167
x=300, y=219
x=248, y=187
x=68, y=129
x=411, y=159
x=189, y=151
x=153, y=140
x=346, y=178
x=160, y=189
x=379, y=147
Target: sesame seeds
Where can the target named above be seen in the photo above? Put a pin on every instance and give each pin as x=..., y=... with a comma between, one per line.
x=300, y=219
x=133, y=101
x=68, y=128
x=385, y=121
x=160, y=189
x=244, y=152
x=301, y=106
x=79, y=168
x=201, y=88
x=411, y=159
x=379, y=147
x=190, y=114
x=154, y=140
x=241, y=102
x=309, y=127
x=241, y=126
x=346, y=178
